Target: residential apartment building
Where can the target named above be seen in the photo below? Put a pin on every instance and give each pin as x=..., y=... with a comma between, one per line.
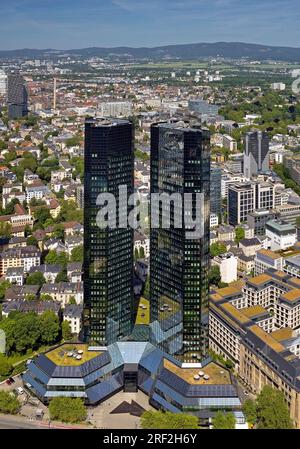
x=25, y=257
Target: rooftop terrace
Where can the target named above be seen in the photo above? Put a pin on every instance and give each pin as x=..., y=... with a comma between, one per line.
x=71, y=354
x=217, y=374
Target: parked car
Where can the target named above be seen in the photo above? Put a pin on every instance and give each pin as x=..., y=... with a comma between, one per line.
x=20, y=390
x=8, y=382
x=12, y=380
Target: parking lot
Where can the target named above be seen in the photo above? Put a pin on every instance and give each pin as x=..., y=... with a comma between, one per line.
x=29, y=403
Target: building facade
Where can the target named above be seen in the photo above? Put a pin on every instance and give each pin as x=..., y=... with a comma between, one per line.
x=180, y=163
x=17, y=97
x=256, y=155
x=108, y=256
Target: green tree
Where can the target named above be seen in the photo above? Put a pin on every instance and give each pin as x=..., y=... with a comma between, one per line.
x=6, y=368
x=9, y=403
x=67, y=410
x=214, y=275
x=224, y=421
x=249, y=409
x=272, y=410
x=239, y=234
x=72, y=300
x=36, y=278
x=77, y=254
x=57, y=258
x=31, y=241
x=42, y=214
x=62, y=276
x=49, y=327
x=70, y=212
x=5, y=229
x=4, y=285
x=167, y=420
x=46, y=297
x=66, y=331
x=216, y=249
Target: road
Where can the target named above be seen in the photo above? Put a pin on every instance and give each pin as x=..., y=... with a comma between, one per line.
x=14, y=422
x=18, y=422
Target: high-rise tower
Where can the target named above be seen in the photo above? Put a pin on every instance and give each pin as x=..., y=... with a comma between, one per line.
x=256, y=154
x=180, y=163
x=108, y=255
x=17, y=96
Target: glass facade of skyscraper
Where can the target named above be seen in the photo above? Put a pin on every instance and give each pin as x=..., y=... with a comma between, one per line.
x=215, y=189
x=17, y=97
x=108, y=255
x=180, y=163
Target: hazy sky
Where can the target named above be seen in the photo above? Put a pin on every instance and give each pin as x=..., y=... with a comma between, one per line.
x=67, y=24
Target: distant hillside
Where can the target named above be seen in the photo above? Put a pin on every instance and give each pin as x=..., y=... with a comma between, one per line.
x=232, y=50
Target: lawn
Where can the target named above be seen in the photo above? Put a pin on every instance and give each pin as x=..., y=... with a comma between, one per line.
x=146, y=312
x=61, y=355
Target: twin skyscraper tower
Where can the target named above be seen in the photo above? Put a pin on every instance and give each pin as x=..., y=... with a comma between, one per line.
x=179, y=265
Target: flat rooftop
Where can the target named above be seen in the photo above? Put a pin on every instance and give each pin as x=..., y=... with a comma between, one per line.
x=68, y=354
x=283, y=334
x=292, y=295
x=260, y=280
x=267, y=338
x=269, y=253
x=217, y=374
x=255, y=311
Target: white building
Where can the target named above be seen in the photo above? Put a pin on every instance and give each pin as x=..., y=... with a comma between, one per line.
x=214, y=220
x=228, y=267
x=115, y=109
x=3, y=81
x=73, y=315
x=278, y=86
x=281, y=234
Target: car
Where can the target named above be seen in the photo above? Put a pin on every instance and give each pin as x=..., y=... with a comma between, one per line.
x=246, y=393
x=8, y=382
x=12, y=380
x=20, y=390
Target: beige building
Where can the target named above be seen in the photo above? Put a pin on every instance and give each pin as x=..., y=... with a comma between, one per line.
x=257, y=327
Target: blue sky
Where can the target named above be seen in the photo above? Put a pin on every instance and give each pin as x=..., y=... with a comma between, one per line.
x=66, y=24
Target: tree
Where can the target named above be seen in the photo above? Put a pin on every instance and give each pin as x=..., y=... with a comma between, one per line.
x=70, y=212
x=66, y=330
x=249, y=409
x=77, y=254
x=4, y=285
x=5, y=229
x=42, y=214
x=59, y=232
x=57, y=258
x=31, y=241
x=167, y=420
x=46, y=297
x=239, y=234
x=9, y=403
x=62, y=276
x=214, y=275
x=6, y=368
x=72, y=300
x=36, y=278
x=224, y=421
x=216, y=249
x=272, y=410
x=67, y=410
x=49, y=326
